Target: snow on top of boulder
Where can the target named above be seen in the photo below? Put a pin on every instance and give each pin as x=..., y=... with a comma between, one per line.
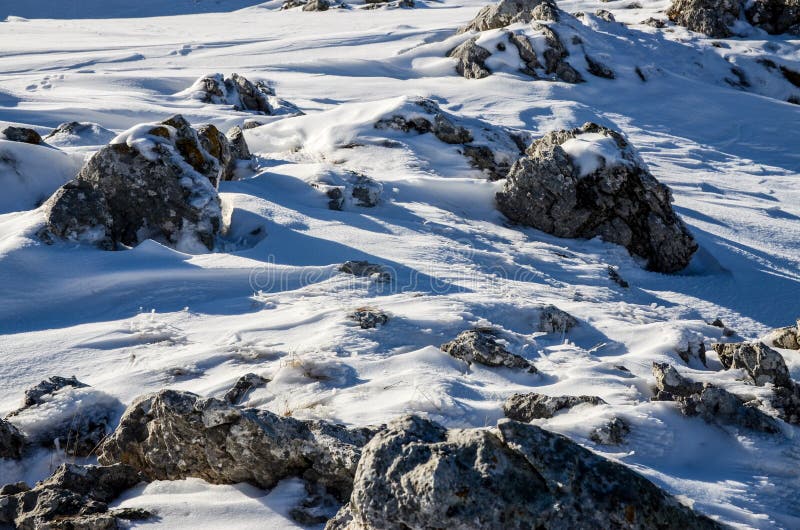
x=140, y=137
x=593, y=151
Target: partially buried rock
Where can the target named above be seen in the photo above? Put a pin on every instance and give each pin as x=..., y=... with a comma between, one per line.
x=480, y=346
x=154, y=181
x=241, y=93
x=365, y=269
x=507, y=12
x=74, y=497
x=532, y=406
x=217, y=145
x=172, y=435
x=417, y=474
x=787, y=338
x=243, y=386
x=239, y=148
x=21, y=134
x=761, y=363
x=555, y=320
x=589, y=182
x=11, y=440
x=611, y=433
x=719, y=18
x=317, y=5
x=75, y=134
x=369, y=317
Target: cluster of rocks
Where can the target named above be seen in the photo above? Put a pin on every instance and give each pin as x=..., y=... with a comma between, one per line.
x=352, y=188
x=480, y=346
x=154, y=181
x=369, y=317
x=242, y=94
x=717, y=18
x=490, y=149
x=589, y=182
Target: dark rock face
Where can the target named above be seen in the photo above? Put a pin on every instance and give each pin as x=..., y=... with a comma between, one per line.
x=21, y=134
x=554, y=320
x=716, y=18
x=761, y=363
x=507, y=12
x=369, y=317
x=527, y=407
x=611, y=433
x=159, y=182
x=217, y=145
x=172, y=435
x=241, y=93
x=11, y=440
x=74, y=497
x=243, y=386
x=713, y=404
x=66, y=414
x=590, y=182
x=416, y=474
x=239, y=148
x=365, y=269
x=787, y=338
x=479, y=346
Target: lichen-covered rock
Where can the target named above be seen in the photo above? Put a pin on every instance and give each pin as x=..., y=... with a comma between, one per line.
x=365, y=269
x=716, y=18
x=21, y=134
x=369, y=317
x=480, y=346
x=75, y=134
x=555, y=320
x=74, y=497
x=761, y=363
x=240, y=93
x=787, y=338
x=532, y=406
x=418, y=475
x=67, y=415
x=712, y=404
x=171, y=435
x=154, y=181
x=589, y=182
x=11, y=440
x=243, y=386
x=217, y=145
x=506, y=12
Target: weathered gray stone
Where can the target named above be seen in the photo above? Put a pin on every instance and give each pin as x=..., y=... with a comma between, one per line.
x=217, y=145
x=160, y=186
x=507, y=12
x=241, y=93
x=317, y=5
x=171, y=435
x=21, y=134
x=366, y=191
x=693, y=350
x=618, y=199
x=611, y=433
x=239, y=148
x=527, y=407
x=369, y=317
x=787, y=338
x=34, y=394
x=471, y=59
x=11, y=440
x=761, y=363
x=554, y=320
x=479, y=346
x=243, y=386
x=716, y=18
x=418, y=475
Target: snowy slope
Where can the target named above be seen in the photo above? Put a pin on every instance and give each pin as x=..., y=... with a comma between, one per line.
x=272, y=301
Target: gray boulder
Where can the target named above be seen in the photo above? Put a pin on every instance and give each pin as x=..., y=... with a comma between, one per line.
x=612, y=432
x=74, y=497
x=506, y=12
x=239, y=148
x=480, y=346
x=171, y=435
x=365, y=191
x=716, y=18
x=75, y=134
x=11, y=440
x=554, y=320
x=369, y=317
x=241, y=93
x=532, y=406
x=471, y=59
x=418, y=475
x=157, y=182
x=761, y=363
x=243, y=386
x=589, y=182
x=787, y=338
x=217, y=145
x=317, y=5
x=21, y=134
x=35, y=394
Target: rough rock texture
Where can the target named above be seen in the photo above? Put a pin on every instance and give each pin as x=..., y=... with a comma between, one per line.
x=21, y=134
x=479, y=346
x=172, y=435
x=239, y=147
x=369, y=317
x=156, y=182
x=716, y=18
x=471, y=59
x=693, y=350
x=554, y=320
x=611, y=433
x=352, y=188
x=488, y=148
x=241, y=93
x=79, y=134
x=365, y=269
x=605, y=190
x=761, y=363
x=507, y=12
x=614, y=276
x=74, y=497
x=366, y=191
x=11, y=440
x=787, y=338
x=527, y=407
x=317, y=5
x=713, y=404
x=217, y=145
x=65, y=414
x=418, y=475
x=243, y=386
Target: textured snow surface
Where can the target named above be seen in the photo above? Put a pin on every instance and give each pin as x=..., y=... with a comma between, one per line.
x=270, y=299
x=592, y=151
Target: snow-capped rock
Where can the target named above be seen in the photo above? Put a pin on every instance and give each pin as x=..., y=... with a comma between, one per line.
x=11, y=440
x=480, y=346
x=531, y=406
x=240, y=93
x=78, y=134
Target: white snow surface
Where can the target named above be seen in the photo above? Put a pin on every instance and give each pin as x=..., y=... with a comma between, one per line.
x=270, y=299
x=592, y=151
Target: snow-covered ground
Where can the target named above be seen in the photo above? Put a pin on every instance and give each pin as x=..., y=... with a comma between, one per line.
x=271, y=301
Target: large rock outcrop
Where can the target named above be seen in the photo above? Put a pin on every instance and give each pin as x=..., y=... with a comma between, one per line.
x=240, y=93
x=589, y=182
x=507, y=12
x=418, y=475
x=171, y=435
x=154, y=181
x=480, y=346
x=73, y=498
x=716, y=18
